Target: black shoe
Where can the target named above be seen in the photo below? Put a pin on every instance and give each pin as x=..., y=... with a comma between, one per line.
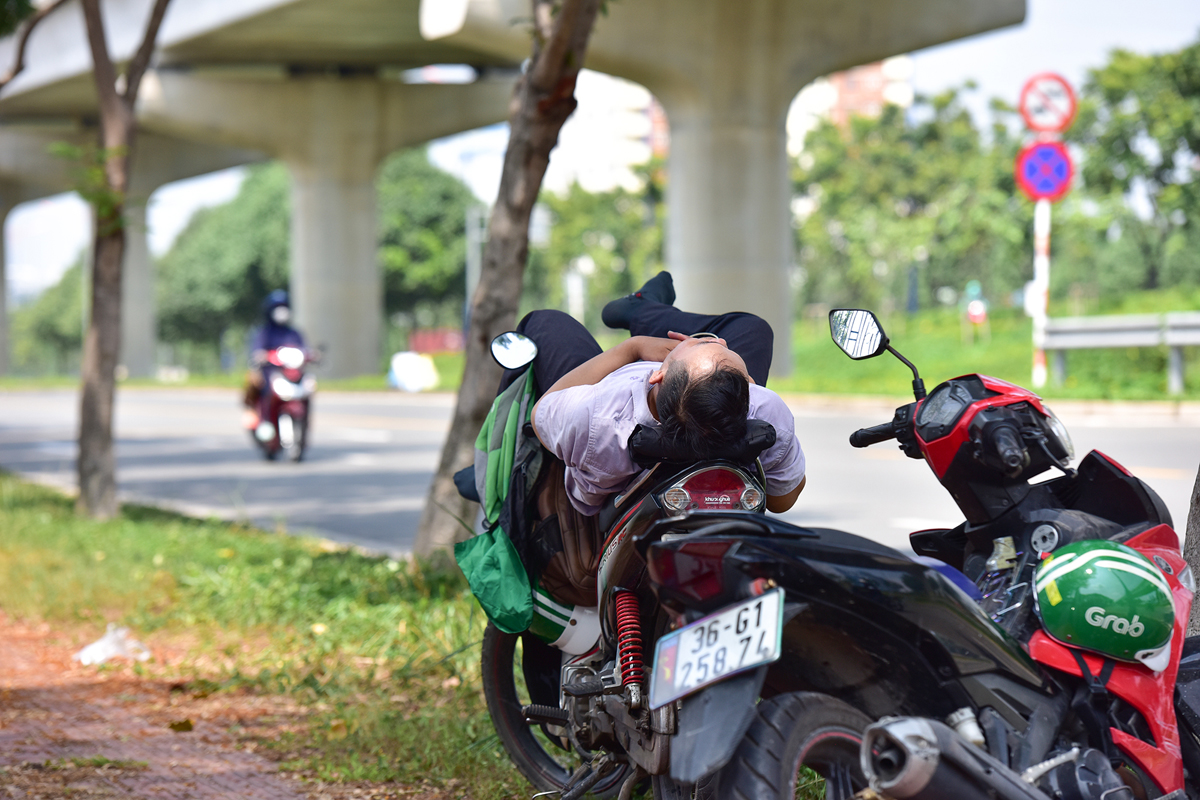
x=659, y=289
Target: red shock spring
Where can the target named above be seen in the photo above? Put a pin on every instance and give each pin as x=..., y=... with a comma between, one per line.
x=629, y=638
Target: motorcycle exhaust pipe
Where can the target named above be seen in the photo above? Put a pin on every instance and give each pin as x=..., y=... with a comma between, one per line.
x=909, y=757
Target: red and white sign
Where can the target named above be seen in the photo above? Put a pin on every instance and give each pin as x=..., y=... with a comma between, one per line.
x=1047, y=103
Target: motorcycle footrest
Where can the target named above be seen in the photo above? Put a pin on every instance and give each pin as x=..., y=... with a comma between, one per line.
x=548, y=715
x=584, y=686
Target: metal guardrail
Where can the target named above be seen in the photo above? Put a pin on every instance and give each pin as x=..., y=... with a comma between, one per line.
x=1174, y=329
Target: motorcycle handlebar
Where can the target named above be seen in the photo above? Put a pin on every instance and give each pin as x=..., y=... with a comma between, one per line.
x=865, y=437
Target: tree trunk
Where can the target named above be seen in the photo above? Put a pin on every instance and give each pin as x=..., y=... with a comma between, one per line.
x=542, y=100
x=1191, y=550
x=101, y=348
x=102, y=344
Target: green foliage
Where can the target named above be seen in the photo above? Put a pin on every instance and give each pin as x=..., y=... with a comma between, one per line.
x=49, y=330
x=893, y=194
x=1139, y=127
x=615, y=234
x=89, y=175
x=12, y=13
x=226, y=261
x=422, y=233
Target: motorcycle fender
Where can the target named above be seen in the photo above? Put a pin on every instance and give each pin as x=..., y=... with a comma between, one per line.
x=712, y=723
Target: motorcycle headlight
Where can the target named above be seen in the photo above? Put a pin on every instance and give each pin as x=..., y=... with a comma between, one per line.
x=1060, y=440
x=291, y=357
x=283, y=388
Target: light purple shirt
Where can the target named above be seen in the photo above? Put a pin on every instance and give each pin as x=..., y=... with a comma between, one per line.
x=588, y=427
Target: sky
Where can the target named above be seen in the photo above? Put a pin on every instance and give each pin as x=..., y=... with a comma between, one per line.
x=45, y=237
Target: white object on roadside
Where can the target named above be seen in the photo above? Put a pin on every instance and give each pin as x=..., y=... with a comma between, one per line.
x=412, y=372
x=115, y=642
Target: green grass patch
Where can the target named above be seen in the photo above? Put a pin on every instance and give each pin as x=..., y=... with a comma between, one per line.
x=942, y=347
x=385, y=652
x=96, y=762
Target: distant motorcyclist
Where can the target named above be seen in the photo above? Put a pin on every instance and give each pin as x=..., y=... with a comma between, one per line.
x=274, y=333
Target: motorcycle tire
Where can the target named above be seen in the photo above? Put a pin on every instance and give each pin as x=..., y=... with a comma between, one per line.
x=791, y=732
x=299, y=439
x=546, y=767
x=666, y=789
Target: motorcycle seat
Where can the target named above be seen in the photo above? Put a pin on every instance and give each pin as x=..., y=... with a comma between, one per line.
x=648, y=446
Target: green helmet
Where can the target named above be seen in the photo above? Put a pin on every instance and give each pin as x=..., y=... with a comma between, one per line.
x=1108, y=598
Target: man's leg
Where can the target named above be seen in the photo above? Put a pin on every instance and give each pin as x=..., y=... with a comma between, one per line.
x=747, y=335
x=563, y=344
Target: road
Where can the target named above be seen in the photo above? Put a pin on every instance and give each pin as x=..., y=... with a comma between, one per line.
x=373, y=455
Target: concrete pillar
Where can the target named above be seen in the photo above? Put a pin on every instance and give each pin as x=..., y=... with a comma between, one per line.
x=729, y=234
x=337, y=293
x=139, y=334
x=333, y=133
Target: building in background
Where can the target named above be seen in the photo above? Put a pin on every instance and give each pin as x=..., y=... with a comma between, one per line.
x=859, y=91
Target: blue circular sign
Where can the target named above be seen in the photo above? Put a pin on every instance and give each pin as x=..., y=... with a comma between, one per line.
x=1044, y=170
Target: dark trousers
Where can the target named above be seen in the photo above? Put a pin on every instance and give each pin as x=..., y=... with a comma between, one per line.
x=563, y=343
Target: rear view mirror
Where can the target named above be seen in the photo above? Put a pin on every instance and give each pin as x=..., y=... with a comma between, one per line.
x=858, y=332
x=513, y=350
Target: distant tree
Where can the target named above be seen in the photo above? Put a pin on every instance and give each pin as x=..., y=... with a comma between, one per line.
x=49, y=330
x=226, y=260
x=12, y=14
x=617, y=234
x=898, y=191
x=422, y=232
x=1139, y=128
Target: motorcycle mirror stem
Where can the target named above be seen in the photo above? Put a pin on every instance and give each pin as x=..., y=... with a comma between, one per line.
x=860, y=335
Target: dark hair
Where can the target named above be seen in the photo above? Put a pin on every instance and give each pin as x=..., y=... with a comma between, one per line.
x=705, y=417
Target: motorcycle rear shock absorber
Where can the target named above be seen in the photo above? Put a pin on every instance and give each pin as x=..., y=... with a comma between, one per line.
x=629, y=645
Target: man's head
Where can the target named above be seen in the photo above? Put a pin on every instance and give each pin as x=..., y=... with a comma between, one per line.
x=277, y=307
x=703, y=396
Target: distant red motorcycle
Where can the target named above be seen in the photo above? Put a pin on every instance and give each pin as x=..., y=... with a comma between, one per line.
x=285, y=403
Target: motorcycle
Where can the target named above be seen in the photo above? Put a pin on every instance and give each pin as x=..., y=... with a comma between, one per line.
x=1037, y=650
x=568, y=697
x=1004, y=661
x=285, y=403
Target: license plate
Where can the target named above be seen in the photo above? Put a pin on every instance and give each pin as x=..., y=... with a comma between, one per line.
x=713, y=648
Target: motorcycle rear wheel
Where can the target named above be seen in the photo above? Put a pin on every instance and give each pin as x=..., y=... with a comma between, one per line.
x=802, y=744
x=543, y=764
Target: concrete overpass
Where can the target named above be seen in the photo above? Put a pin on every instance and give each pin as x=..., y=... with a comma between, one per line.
x=315, y=82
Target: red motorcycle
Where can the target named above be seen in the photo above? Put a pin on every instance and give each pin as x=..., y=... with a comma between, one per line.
x=285, y=403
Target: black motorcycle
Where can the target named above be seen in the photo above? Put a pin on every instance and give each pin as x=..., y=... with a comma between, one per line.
x=974, y=698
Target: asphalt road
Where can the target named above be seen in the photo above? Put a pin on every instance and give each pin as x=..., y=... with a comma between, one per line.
x=373, y=454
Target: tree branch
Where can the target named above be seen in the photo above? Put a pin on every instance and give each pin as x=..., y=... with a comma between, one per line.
x=23, y=39
x=137, y=67
x=105, y=74
x=547, y=69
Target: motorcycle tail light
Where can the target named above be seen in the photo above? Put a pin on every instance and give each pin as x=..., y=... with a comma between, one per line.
x=693, y=569
x=713, y=488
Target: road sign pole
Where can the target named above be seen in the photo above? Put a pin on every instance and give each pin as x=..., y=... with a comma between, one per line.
x=1041, y=288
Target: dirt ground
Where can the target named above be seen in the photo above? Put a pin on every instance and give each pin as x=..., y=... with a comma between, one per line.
x=85, y=732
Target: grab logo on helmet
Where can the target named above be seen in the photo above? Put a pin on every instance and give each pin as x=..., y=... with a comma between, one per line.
x=1095, y=616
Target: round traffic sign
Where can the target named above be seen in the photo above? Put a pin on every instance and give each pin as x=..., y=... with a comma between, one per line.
x=1047, y=103
x=1044, y=170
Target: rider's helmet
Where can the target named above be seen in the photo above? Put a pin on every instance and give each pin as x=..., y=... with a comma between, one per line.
x=1108, y=598
x=277, y=307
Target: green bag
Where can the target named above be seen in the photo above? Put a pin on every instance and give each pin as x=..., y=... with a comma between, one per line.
x=491, y=563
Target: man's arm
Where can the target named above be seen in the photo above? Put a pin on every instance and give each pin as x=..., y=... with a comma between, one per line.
x=778, y=504
x=597, y=368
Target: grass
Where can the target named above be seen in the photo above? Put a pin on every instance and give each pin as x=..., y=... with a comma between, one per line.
x=937, y=344
x=385, y=652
